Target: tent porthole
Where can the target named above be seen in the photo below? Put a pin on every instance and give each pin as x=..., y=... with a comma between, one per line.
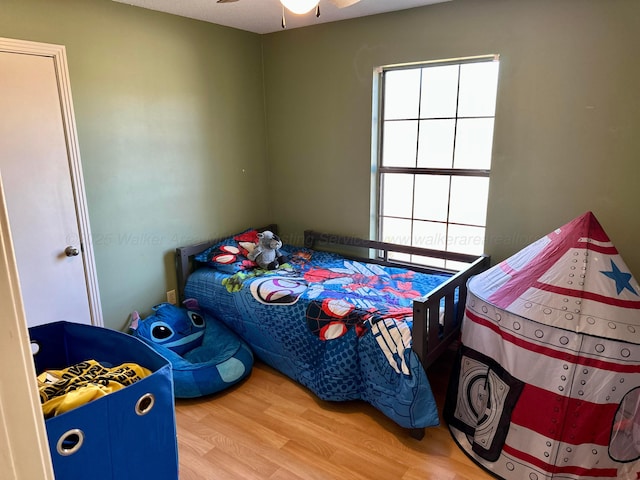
x=624, y=445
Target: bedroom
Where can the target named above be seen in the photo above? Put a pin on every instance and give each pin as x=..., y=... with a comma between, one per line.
x=175, y=117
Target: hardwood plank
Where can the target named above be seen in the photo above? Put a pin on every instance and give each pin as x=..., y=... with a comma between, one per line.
x=270, y=428
x=196, y=467
x=284, y=474
x=244, y=466
x=190, y=436
x=320, y=468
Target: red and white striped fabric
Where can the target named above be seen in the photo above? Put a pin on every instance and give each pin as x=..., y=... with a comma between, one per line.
x=547, y=383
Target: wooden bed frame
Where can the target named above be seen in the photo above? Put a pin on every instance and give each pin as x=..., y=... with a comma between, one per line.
x=433, y=330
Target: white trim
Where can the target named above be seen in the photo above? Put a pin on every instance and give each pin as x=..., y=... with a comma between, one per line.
x=59, y=56
x=494, y=57
x=24, y=448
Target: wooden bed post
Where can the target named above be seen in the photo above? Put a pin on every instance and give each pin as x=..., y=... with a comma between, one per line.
x=419, y=331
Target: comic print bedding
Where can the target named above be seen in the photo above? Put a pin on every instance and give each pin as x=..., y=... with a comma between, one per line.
x=340, y=327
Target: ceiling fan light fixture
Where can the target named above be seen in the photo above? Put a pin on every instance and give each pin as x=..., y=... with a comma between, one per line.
x=300, y=7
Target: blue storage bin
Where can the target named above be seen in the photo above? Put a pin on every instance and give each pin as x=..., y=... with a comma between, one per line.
x=128, y=434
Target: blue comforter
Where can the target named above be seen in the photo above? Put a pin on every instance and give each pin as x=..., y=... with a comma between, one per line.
x=339, y=327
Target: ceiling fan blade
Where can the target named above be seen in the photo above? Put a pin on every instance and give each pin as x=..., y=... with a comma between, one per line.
x=344, y=3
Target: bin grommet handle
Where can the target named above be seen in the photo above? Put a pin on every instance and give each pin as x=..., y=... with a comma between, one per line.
x=145, y=403
x=70, y=442
x=35, y=347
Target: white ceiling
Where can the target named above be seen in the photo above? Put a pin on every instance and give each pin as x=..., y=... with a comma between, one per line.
x=264, y=16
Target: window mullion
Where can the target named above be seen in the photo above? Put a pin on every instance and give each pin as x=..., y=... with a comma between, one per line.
x=438, y=171
x=455, y=133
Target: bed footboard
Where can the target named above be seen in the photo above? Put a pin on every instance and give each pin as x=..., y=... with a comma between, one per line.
x=437, y=317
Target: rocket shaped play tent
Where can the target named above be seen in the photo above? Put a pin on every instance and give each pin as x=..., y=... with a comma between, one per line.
x=547, y=379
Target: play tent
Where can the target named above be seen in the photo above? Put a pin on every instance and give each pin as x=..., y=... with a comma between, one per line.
x=547, y=379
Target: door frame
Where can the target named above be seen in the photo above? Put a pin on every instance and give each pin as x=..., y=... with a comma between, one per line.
x=23, y=438
x=59, y=56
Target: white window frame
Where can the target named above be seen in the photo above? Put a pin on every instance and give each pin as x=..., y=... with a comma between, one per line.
x=377, y=170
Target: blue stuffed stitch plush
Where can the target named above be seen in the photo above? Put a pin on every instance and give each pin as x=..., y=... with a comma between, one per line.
x=174, y=328
x=205, y=355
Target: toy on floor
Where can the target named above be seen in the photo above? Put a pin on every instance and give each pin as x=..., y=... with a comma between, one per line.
x=205, y=355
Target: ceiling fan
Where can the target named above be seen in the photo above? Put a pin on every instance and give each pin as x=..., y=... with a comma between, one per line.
x=300, y=7
x=308, y=4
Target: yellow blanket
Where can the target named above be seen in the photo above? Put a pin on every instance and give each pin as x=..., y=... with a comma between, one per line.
x=63, y=390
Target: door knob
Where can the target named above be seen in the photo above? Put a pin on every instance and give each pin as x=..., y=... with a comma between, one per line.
x=71, y=251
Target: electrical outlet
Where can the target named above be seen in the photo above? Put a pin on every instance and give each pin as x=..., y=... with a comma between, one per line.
x=171, y=297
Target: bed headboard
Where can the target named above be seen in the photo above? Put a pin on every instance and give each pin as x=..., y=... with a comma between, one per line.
x=184, y=257
x=356, y=246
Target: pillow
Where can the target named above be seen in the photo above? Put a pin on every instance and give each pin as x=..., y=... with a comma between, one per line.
x=230, y=255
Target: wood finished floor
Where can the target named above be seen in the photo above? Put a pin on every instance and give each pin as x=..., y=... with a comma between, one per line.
x=269, y=427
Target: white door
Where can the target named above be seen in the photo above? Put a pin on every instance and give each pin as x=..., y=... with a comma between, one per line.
x=36, y=147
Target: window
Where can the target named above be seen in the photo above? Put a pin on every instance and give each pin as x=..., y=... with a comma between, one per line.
x=434, y=129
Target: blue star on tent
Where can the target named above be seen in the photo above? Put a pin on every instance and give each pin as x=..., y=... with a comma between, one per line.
x=621, y=278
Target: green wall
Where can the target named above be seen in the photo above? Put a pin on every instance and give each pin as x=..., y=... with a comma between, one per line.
x=170, y=119
x=566, y=134
x=185, y=136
